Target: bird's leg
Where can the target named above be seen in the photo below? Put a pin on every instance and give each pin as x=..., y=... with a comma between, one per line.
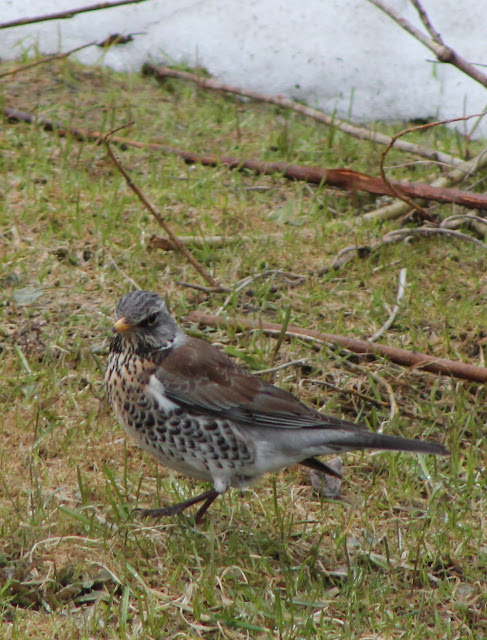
x=175, y=509
x=213, y=495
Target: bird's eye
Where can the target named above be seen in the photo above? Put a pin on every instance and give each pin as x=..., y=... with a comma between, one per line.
x=150, y=320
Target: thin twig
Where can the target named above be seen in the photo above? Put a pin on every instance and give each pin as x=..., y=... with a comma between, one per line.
x=400, y=295
x=430, y=231
x=457, y=175
x=473, y=223
x=58, y=56
x=364, y=251
x=397, y=188
x=63, y=15
x=365, y=397
x=285, y=365
x=343, y=256
x=174, y=239
x=199, y=287
x=400, y=356
x=392, y=404
x=358, y=132
x=464, y=216
x=123, y=274
x=389, y=390
x=351, y=392
x=293, y=278
x=427, y=23
x=443, y=52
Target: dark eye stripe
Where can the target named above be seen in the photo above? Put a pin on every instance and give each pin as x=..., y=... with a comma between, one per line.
x=149, y=321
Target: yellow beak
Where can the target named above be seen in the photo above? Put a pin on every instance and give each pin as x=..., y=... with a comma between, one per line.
x=121, y=325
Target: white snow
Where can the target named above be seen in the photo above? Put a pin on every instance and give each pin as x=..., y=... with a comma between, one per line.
x=341, y=55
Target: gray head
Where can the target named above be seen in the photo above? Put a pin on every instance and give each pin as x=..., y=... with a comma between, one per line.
x=142, y=323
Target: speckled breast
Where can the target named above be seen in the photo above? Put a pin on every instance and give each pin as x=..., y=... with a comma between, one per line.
x=196, y=445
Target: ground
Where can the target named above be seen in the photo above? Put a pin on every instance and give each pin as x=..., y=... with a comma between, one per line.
x=402, y=554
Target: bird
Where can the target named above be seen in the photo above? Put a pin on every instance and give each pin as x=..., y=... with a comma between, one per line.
x=201, y=414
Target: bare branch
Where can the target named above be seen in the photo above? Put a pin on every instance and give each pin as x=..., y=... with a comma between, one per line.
x=63, y=15
x=364, y=251
x=174, y=239
x=399, y=234
x=457, y=175
x=397, y=189
x=358, y=132
x=453, y=368
x=427, y=23
x=443, y=52
x=58, y=56
x=159, y=242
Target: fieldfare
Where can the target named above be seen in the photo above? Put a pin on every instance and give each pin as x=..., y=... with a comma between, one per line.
x=199, y=413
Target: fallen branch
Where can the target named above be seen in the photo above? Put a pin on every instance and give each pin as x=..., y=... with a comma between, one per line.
x=174, y=239
x=58, y=56
x=341, y=178
x=452, y=368
x=473, y=223
x=397, y=235
x=443, y=52
x=160, y=73
x=397, y=209
x=63, y=15
x=401, y=194
x=159, y=242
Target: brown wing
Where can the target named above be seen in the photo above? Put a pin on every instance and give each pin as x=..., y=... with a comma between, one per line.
x=203, y=378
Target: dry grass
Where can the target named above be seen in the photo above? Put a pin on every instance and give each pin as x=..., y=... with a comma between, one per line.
x=405, y=557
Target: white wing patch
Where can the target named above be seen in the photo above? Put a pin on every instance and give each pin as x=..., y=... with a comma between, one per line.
x=157, y=391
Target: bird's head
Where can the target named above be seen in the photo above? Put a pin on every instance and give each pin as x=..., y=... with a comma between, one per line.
x=142, y=323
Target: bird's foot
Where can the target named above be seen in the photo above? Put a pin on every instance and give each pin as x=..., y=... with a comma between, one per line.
x=175, y=509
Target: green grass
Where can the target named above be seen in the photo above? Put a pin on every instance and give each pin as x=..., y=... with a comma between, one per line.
x=403, y=556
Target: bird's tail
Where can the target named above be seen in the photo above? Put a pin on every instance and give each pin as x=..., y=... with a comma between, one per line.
x=348, y=440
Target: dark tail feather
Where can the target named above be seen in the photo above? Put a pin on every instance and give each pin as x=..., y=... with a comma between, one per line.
x=321, y=467
x=369, y=440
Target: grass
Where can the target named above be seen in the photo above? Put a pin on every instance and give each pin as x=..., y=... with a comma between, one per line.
x=403, y=556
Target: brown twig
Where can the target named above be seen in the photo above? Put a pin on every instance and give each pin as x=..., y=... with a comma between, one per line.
x=174, y=239
x=443, y=52
x=63, y=15
x=398, y=192
x=457, y=175
x=58, y=56
x=160, y=73
x=340, y=178
x=402, y=357
x=198, y=287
